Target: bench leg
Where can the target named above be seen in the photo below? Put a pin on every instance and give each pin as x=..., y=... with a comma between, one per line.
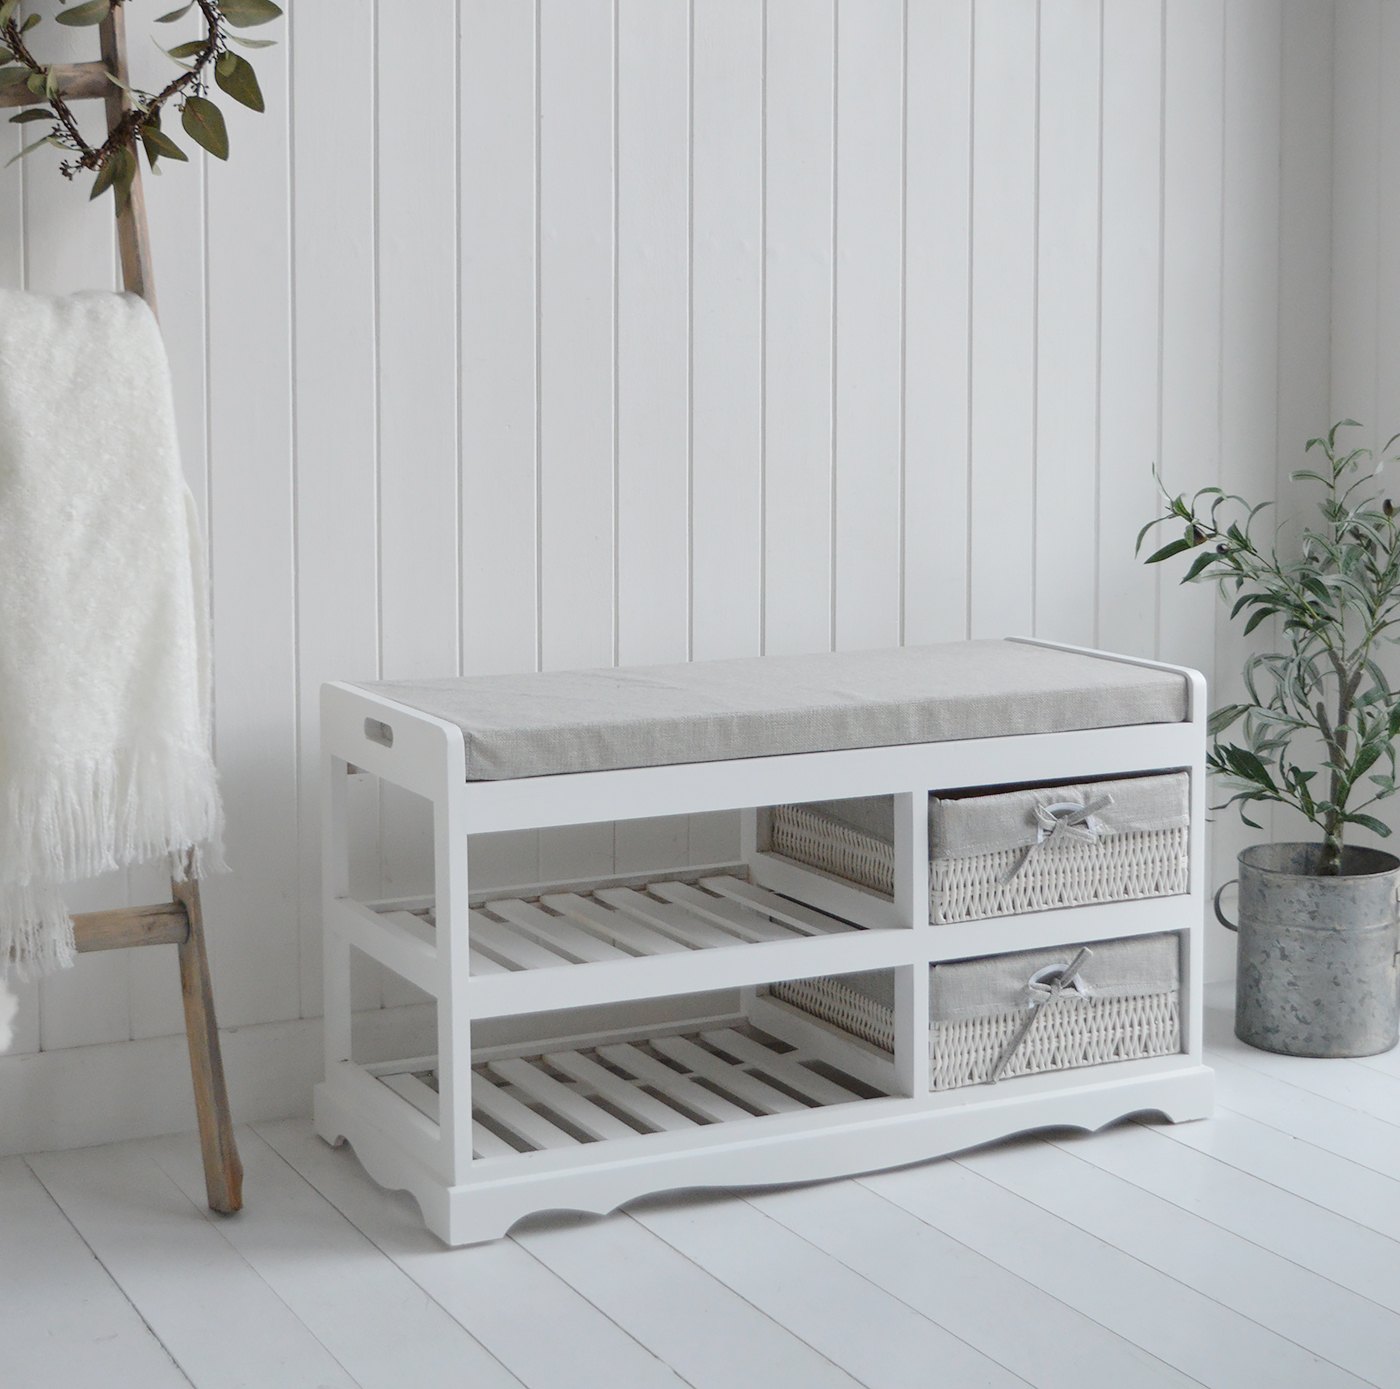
x=223, y=1172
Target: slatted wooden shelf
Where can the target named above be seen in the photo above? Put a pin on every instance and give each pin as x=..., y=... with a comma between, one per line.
x=663, y=1084
x=620, y=923
x=614, y=942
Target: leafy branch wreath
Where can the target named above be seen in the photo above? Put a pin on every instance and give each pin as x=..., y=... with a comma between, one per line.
x=114, y=160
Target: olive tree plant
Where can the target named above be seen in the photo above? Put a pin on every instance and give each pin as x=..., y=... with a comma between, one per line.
x=1324, y=699
x=209, y=54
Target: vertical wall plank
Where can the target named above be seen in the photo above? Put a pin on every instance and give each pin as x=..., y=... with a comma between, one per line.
x=338, y=542
x=869, y=321
x=1249, y=443
x=90, y=1003
x=936, y=288
x=416, y=213
x=1356, y=255
x=577, y=363
x=175, y=209
x=653, y=331
x=26, y=1025
x=1129, y=344
x=726, y=329
x=252, y=913
x=1387, y=418
x=798, y=342
x=1193, y=150
x=1305, y=237
x=1067, y=314
x=726, y=402
x=70, y=244
x=499, y=327
x=11, y=207
x=1002, y=515
x=577, y=346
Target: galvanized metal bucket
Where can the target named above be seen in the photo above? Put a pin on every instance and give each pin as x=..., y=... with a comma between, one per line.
x=1316, y=972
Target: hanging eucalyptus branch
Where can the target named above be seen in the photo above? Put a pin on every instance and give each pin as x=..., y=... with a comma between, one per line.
x=114, y=160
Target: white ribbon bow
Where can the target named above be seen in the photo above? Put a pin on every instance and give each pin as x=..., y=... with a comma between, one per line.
x=1061, y=823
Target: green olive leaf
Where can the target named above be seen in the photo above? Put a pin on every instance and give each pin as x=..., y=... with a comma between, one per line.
x=244, y=14
x=204, y=124
x=175, y=14
x=186, y=50
x=35, y=113
x=235, y=75
x=159, y=145
x=29, y=149
x=126, y=176
x=91, y=12
x=251, y=43
x=107, y=174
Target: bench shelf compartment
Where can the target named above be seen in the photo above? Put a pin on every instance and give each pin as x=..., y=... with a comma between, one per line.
x=759, y=1092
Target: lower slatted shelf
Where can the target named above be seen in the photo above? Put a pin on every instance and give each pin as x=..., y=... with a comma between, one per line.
x=622, y=1089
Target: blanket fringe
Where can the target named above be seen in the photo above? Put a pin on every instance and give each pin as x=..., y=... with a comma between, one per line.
x=36, y=932
x=91, y=816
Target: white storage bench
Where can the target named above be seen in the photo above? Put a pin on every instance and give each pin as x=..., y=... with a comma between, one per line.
x=667, y=1041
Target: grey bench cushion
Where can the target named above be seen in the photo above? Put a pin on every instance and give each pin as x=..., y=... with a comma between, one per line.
x=709, y=711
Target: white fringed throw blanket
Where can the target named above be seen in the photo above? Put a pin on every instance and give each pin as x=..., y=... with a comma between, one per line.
x=104, y=652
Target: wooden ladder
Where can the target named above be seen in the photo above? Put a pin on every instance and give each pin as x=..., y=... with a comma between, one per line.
x=178, y=922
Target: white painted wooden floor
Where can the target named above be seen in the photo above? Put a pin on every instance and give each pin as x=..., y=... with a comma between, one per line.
x=1261, y=1247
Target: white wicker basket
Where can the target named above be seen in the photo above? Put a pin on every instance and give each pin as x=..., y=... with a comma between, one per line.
x=1137, y=848
x=1129, y=1009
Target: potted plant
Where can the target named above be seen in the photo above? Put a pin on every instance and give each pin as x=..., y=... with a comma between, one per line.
x=1318, y=921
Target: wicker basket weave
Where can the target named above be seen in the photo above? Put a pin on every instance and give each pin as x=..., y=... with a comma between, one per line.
x=1075, y=1031
x=1114, y=867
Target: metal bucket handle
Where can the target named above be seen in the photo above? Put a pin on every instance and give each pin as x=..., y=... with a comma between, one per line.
x=1220, y=915
x=1231, y=926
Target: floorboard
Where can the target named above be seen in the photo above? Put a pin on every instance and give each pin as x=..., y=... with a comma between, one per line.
x=1283, y=1222
x=874, y=1336
x=223, y=1325
x=66, y=1322
x=1343, y=1081
x=1049, y=1247
x=963, y=1290
x=673, y=1307
x=357, y=1303
x=1298, y=1165
x=1260, y=1247
x=545, y=1332
x=1294, y=1303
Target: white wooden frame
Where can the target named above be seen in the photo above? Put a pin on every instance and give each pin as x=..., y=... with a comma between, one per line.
x=410, y=1139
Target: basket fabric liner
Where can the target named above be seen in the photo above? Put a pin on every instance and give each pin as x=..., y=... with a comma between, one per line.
x=986, y=853
x=1129, y=1009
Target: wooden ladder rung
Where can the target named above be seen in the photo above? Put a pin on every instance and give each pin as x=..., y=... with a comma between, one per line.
x=76, y=82
x=166, y=923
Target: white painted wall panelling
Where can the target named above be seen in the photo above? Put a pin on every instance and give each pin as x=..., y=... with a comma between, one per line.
x=1001, y=504
x=707, y=327
x=937, y=303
